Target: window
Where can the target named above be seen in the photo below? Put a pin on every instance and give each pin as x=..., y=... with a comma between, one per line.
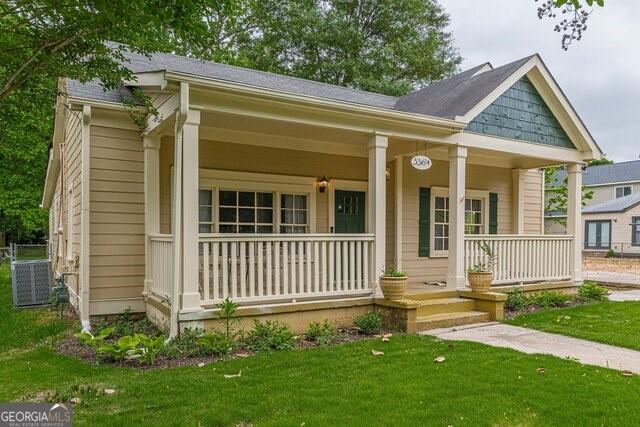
x=635, y=231
x=473, y=217
x=623, y=191
x=441, y=224
x=245, y=212
x=293, y=213
x=205, y=211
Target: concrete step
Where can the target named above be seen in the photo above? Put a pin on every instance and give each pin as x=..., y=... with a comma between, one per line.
x=425, y=295
x=447, y=320
x=444, y=305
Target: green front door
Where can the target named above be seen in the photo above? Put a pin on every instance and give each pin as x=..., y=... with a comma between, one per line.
x=349, y=211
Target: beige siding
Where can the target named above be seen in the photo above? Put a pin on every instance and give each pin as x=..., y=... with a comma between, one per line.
x=117, y=213
x=605, y=193
x=533, y=202
x=483, y=178
x=620, y=228
x=248, y=158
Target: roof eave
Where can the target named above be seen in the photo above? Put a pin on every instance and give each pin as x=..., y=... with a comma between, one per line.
x=450, y=125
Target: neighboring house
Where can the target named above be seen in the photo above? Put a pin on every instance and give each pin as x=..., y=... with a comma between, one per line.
x=614, y=225
x=290, y=196
x=606, y=183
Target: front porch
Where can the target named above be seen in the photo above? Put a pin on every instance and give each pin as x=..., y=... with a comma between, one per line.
x=244, y=214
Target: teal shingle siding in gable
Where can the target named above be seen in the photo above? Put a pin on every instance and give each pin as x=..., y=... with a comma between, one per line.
x=521, y=113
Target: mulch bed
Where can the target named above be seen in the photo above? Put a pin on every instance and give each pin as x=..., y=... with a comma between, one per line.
x=71, y=346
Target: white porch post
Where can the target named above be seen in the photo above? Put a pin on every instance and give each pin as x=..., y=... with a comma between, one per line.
x=190, y=298
x=376, y=204
x=518, y=176
x=574, y=217
x=398, y=212
x=151, y=145
x=456, y=278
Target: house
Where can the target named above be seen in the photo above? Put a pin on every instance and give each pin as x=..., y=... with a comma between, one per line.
x=290, y=196
x=613, y=225
x=605, y=182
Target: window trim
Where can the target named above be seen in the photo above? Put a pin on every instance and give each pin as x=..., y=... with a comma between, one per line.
x=444, y=192
x=635, y=224
x=615, y=191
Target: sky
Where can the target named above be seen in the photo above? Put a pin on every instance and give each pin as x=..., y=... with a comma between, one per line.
x=599, y=74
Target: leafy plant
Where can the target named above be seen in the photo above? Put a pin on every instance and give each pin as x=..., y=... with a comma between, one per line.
x=214, y=343
x=369, y=322
x=227, y=313
x=488, y=257
x=516, y=301
x=186, y=345
x=120, y=349
x=549, y=299
x=610, y=254
x=87, y=338
x=270, y=335
x=323, y=333
x=391, y=271
x=592, y=291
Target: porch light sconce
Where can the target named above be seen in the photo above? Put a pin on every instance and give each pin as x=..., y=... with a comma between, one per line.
x=387, y=173
x=323, y=183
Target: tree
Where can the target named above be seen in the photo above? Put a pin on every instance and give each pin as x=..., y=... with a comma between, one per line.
x=574, y=17
x=556, y=193
x=385, y=46
x=602, y=161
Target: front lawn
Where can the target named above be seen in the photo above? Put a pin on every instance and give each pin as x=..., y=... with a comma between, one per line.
x=615, y=323
x=340, y=385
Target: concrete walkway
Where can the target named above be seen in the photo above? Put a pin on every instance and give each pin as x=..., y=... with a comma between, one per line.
x=611, y=277
x=633, y=295
x=536, y=342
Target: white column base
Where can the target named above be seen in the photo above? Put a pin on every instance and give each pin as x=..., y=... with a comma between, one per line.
x=190, y=302
x=456, y=282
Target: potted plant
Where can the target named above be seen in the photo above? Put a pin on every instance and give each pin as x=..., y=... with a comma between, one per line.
x=393, y=283
x=480, y=275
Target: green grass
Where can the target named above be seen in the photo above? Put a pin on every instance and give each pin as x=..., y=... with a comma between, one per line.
x=615, y=323
x=342, y=385
x=21, y=327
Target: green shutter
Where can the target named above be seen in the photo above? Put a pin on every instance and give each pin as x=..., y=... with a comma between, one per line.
x=424, y=227
x=493, y=213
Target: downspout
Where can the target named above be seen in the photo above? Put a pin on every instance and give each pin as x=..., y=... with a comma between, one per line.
x=85, y=213
x=181, y=118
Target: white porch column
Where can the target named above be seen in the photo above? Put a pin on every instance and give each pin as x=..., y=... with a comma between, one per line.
x=398, y=211
x=574, y=217
x=376, y=204
x=151, y=145
x=518, y=176
x=190, y=298
x=456, y=278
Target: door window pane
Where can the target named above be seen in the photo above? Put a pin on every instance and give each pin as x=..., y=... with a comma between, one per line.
x=294, y=213
x=591, y=234
x=605, y=235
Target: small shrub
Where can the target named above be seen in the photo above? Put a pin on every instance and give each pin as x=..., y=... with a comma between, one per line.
x=227, y=313
x=87, y=338
x=592, y=292
x=214, y=343
x=610, y=254
x=323, y=333
x=550, y=299
x=516, y=301
x=270, y=335
x=186, y=345
x=369, y=322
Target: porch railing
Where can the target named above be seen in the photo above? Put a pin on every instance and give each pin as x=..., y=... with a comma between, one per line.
x=161, y=258
x=523, y=258
x=260, y=267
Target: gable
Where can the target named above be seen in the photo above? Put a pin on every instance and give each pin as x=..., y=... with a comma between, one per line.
x=521, y=113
